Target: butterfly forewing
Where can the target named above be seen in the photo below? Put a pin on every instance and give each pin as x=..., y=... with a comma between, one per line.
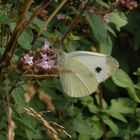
x=80, y=82
x=102, y=66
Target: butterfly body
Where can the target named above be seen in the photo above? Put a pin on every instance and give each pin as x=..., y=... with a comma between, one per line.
x=88, y=70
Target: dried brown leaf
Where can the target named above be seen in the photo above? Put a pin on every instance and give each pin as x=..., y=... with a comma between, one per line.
x=47, y=100
x=29, y=93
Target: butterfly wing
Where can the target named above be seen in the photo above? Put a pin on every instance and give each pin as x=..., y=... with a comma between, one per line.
x=102, y=66
x=80, y=81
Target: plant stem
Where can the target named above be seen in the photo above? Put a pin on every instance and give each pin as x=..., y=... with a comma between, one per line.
x=101, y=107
x=7, y=53
x=100, y=97
x=44, y=26
x=36, y=12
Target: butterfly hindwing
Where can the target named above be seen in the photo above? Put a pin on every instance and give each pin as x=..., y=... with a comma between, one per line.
x=80, y=81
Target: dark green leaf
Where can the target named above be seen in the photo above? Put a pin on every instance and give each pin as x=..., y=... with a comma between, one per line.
x=79, y=125
x=83, y=137
x=97, y=130
x=111, y=124
x=25, y=39
x=4, y=19
x=119, y=19
x=97, y=26
x=122, y=79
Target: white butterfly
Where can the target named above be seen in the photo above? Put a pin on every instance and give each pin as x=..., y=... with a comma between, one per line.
x=88, y=70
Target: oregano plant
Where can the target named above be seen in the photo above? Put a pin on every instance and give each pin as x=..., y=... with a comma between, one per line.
x=33, y=104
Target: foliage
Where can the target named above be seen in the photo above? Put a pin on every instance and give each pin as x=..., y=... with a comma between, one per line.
x=35, y=107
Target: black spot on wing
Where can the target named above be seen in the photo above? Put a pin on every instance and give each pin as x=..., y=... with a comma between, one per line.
x=98, y=69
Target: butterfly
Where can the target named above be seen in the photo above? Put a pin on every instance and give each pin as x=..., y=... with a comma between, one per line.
x=88, y=69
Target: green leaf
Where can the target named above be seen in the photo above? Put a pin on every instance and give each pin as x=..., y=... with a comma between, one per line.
x=12, y=26
x=4, y=19
x=72, y=46
x=38, y=43
x=30, y=128
x=97, y=130
x=83, y=137
x=106, y=47
x=137, y=72
x=37, y=23
x=2, y=137
x=116, y=115
x=111, y=124
x=24, y=124
x=93, y=108
x=25, y=39
x=85, y=101
x=73, y=37
x=1, y=51
x=132, y=93
x=102, y=3
x=119, y=19
x=79, y=125
x=122, y=105
x=18, y=96
x=97, y=26
x=121, y=79
x=110, y=30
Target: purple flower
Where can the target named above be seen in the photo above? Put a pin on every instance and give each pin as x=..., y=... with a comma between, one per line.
x=51, y=63
x=44, y=65
x=106, y=18
x=28, y=59
x=44, y=57
x=46, y=45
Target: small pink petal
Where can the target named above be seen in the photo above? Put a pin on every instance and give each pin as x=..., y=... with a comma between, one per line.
x=46, y=45
x=44, y=57
x=44, y=65
x=51, y=63
x=28, y=59
x=106, y=18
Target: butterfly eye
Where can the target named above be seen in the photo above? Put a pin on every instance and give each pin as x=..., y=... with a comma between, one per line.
x=98, y=69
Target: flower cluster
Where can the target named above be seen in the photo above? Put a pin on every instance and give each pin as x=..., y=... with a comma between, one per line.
x=128, y=4
x=39, y=61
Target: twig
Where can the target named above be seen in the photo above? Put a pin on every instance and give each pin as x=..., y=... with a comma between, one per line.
x=13, y=87
x=44, y=26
